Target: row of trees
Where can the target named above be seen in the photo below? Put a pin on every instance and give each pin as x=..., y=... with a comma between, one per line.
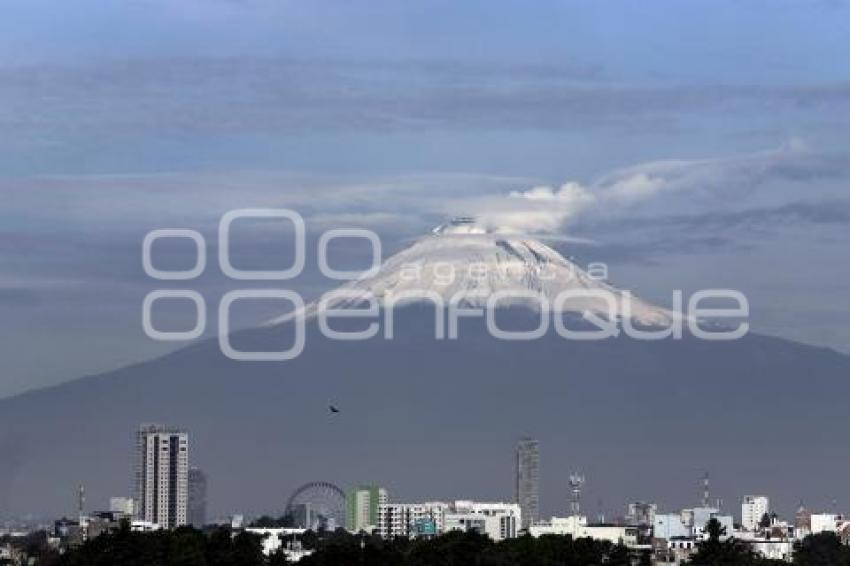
x=181, y=547
x=189, y=547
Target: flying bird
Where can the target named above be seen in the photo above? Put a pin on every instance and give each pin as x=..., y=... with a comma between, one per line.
x=333, y=409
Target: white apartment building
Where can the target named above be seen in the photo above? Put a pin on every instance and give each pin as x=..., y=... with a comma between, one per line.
x=411, y=520
x=499, y=521
x=753, y=508
x=162, y=476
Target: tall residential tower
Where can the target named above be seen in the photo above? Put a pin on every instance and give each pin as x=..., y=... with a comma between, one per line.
x=528, y=480
x=162, y=475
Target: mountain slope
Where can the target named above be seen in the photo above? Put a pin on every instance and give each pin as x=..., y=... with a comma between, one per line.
x=438, y=418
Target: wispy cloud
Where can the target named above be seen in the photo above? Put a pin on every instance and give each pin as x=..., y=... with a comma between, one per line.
x=664, y=187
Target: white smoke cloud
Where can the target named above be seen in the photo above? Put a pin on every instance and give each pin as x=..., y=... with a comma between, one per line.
x=538, y=209
x=704, y=183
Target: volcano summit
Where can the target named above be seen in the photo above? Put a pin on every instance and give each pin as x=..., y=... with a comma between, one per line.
x=463, y=271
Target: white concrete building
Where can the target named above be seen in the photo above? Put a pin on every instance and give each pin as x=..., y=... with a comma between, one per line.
x=753, y=508
x=617, y=534
x=669, y=526
x=577, y=527
x=162, y=476
x=411, y=520
x=825, y=522
x=558, y=526
x=499, y=521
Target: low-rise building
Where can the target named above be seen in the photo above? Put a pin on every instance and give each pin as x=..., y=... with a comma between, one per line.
x=558, y=526
x=670, y=525
x=774, y=549
x=825, y=522
x=144, y=526
x=699, y=517
x=674, y=551
x=578, y=527
x=499, y=521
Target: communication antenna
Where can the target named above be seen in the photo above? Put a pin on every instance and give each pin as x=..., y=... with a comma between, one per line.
x=706, y=497
x=81, y=500
x=576, y=482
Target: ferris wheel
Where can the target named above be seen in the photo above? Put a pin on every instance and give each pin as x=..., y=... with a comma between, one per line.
x=317, y=505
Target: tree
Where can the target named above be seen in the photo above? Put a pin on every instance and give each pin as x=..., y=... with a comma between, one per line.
x=730, y=552
x=822, y=549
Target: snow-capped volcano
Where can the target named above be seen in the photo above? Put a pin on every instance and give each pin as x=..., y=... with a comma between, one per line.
x=460, y=259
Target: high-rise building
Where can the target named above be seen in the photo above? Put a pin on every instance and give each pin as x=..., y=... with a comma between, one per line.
x=197, y=498
x=528, y=480
x=162, y=475
x=362, y=508
x=753, y=508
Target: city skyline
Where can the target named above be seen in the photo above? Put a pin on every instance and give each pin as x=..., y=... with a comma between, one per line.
x=178, y=506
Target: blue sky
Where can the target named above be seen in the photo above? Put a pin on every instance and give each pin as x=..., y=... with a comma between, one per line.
x=121, y=117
